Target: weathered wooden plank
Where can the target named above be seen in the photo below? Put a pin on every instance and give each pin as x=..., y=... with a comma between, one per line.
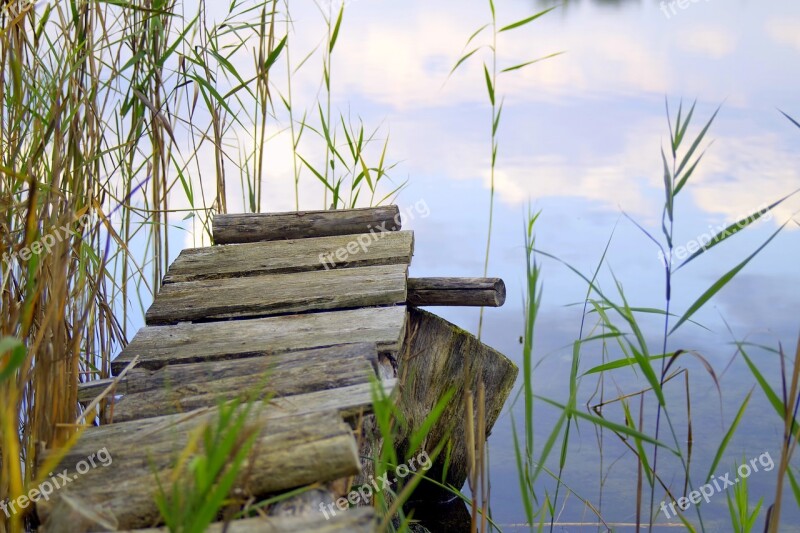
x=181, y=388
x=190, y=343
x=289, y=452
x=278, y=294
x=230, y=229
x=280, y=368
x=436, y=358
x=286, y=257
x=356, y=520
x=349, y=402
x=91, y=389
x=457, y=292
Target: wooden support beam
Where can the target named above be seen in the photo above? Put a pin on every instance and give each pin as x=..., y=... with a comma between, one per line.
x=456, y=292
x=436, y=358
x=240, y=228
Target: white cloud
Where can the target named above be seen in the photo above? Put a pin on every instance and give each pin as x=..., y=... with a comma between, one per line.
x=784, y=31
x=712, y=42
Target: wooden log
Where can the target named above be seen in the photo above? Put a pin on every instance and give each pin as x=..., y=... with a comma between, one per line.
x=289, y=452
x=181, y=388
x=457, y=292
x=190, y=343
x=278, y=294
x=433, y=362
x=241, y=228
x=356, y=520
x=286, y=257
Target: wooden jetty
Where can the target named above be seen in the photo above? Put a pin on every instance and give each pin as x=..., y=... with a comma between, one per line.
x=304, y=313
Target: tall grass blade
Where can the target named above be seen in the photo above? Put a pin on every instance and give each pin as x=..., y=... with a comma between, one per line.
x=527, y=20
x=734, y=228
x=721, y=282
x=728, y=436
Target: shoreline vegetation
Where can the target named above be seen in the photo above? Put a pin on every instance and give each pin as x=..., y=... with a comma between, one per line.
x=114, y=109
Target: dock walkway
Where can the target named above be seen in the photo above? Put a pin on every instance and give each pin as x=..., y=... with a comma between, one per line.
x=304, y=312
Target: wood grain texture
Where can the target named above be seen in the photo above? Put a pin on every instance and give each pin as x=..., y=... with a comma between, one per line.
x=91, y=389
x=181, y=388
x=231, y=229
x=286, y=257
x=351, y=402
x=356, y=520
x=432, y=363
x=159, y=346
x=457, y=292
x=278, y=294
x=289, y=452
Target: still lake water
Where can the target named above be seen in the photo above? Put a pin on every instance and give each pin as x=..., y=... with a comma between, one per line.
x=580, y=141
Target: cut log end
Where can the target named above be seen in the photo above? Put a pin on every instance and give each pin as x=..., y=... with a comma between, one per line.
x=456, y=292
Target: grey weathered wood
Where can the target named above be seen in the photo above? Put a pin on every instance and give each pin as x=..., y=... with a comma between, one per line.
x=350, y=402
x=282, y=369
x=180, y=388
x=278, y=294
x=433, y=362
x=91, y=389
x=351, y=399
x=309, y=502
x=356, y=520
x=285, y=257
x=289, y=452
x=230, y=229
x=458, y=292
x=189, y=343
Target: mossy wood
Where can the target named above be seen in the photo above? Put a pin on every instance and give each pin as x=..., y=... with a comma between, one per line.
x=436, y=358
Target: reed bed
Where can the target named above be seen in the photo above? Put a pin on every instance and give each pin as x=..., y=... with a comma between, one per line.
x=124, y=125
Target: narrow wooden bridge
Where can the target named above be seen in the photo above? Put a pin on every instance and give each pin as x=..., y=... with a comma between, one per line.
x=302, y=311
